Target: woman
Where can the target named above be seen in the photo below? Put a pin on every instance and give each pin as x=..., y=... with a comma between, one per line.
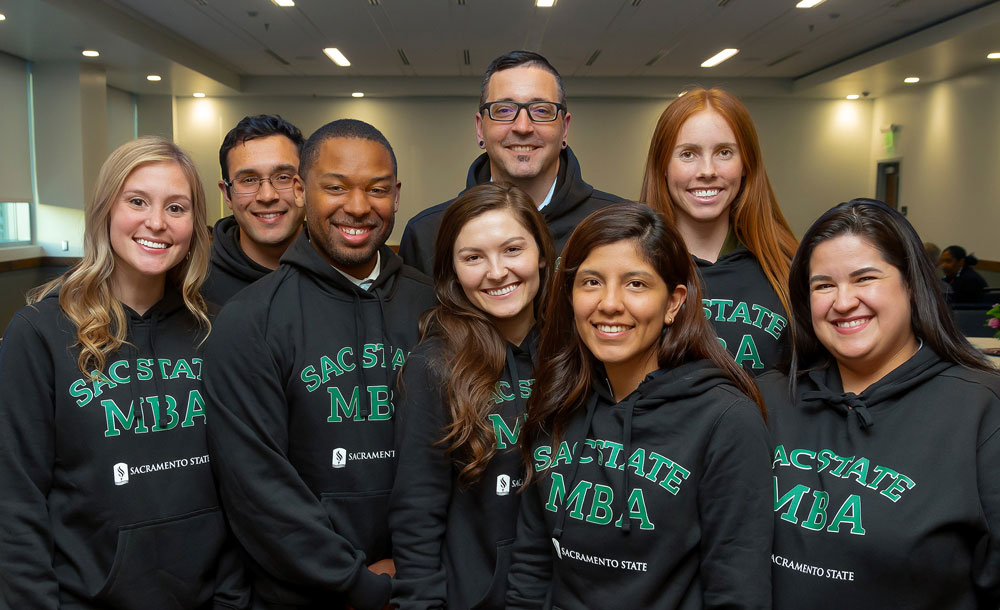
x=885, y=486
x=967, y=286
x=705, y=172
x=463, y=390
x=649, y=463
x=108, y=494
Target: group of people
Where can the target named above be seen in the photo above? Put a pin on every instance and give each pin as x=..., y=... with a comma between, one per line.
x=550, y=398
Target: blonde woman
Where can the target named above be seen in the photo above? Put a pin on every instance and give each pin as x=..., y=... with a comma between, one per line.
x=108, y=495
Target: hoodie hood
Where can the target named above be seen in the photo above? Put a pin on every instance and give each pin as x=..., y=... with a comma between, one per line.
x=230, y=269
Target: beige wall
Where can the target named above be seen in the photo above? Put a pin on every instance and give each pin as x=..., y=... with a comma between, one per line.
x=948, y=145
x=816, y=151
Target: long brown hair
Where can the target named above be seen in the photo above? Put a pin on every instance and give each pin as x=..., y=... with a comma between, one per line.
x=754, y=214
x=85, y=294
x=566, y=367
x=474, y=351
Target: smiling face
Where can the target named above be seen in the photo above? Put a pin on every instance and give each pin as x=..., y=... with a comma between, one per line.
x=269, y=219
x=150, y=224
x=351, y=197
x=523, y=151
x=860, y=307
x=620, y=305
x=705, y=170
x=497, y=264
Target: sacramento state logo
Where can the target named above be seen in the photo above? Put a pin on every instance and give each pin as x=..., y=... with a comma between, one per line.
x=339, y=457
x=121, y=473
x=503, y=485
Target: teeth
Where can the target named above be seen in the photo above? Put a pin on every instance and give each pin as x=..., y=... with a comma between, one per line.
x=354, y=230
x=706, y=192
x=851, y=324
x=522, y=148
x=268, y=215
x=499, y=292
x=607, y=328
x=150, y=244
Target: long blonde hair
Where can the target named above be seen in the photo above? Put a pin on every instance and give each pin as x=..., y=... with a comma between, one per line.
x=756, y=218
x=85, y=294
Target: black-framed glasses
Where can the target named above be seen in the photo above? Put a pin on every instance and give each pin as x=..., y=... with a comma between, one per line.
x=538, y=112
x=249, y=185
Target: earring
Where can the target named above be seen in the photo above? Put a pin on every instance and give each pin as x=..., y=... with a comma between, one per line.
x=482, y=144
x=669, y=320
x=564, y=145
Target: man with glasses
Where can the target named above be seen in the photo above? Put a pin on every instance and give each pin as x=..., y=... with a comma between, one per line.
x=522, y=124
x=259, y=159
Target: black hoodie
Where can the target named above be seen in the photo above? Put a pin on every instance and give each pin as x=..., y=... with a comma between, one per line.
x=230, y=269
x=108, y=499
x=685, y=459
x=745, y=310
x=451, y=543
x=889, y=498
x=572, y=201
x=301, y=367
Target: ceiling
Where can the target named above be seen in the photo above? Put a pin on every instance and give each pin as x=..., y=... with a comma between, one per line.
x=441, y=47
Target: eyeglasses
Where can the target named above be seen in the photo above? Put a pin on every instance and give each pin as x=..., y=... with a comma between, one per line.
x=249, y=185
x=538, y=112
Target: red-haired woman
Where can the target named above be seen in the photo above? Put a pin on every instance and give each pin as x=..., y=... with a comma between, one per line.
x=649, y=468
x=463, y=391
x=705, y=172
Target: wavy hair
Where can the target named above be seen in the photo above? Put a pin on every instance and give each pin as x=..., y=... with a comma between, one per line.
x=474, y=351
x=754, y=214
x=897, y=241
x=566, y=367
x=85, y=293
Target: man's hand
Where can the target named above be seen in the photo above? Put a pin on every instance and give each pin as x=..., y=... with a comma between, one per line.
x=383, y=566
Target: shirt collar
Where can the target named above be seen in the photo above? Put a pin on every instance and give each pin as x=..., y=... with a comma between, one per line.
x=366, y=282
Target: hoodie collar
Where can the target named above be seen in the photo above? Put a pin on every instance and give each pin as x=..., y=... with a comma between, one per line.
x=303, y=256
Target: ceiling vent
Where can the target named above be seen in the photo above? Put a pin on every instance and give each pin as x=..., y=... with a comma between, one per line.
x=466, y=57
x=402, y=57
x=593, y=57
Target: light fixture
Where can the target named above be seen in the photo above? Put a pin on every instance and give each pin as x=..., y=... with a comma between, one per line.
x=337, y=57
x=198, y=94
x=993, y=56
x=682, y=94
x=358, y=94
x=153, y=77
x=719, y=57
x=3, y=17
x=853, y=96
x=808, y=3
x=544, y=3
x=911, y=79
x=284, y=2
x=90, y=53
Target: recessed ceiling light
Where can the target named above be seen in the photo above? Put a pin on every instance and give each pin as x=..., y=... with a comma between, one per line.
x=993, y=56
x=90, y=53
x=153, y=77
x=682, y=94
x=809, y=3
x=3, y=17
x=853, y=96
x=337, y=57
x=358, y=94
x=911, y=79
x=544, y=3
x=198, y=94
x=719, y=57
x=284, y=2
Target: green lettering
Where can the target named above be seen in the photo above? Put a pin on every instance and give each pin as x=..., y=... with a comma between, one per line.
x=817, y=514
x=850, y=512
x=859, y=470
x=113, y=371
x=81, y=392
x=504, y=435
x=183, y=368
x=171, y=410
x=143, y=369
x=780, y=457
x=311, y=378
x=343, y=364
x=113, y=414
x=796, y=453
x=601, y=504
x=741, y=314
x=339, y=405
x=637, y=510
x=896, y=489
x=195, y=408
x=381, y=403
x=748, y=351
x=637, y=461
x=776, y=325
x=793, y=499
x=543, y=457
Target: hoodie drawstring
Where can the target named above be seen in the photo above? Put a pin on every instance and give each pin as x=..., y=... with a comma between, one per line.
x=577, y=450
x=849, y=403
x=624, y=489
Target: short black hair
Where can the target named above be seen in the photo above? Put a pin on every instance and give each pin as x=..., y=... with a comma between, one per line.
x=342, y=128
x=958, y=253
x=259, y=126
x=514, y=59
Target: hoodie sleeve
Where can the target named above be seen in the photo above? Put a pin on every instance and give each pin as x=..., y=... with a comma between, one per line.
x=418, y=509
x=986, y=570
x=736, y=513
x=416, y=247
x=531, y=558
x=273, y=513
x=27, y=458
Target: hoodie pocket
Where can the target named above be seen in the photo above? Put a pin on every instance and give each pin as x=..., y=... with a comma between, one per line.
x=167, y=564
x=362, y=517
x=494, y=597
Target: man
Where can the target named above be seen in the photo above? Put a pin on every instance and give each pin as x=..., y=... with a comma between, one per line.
x=300, y=369
x=522, y=123
x=259, y=159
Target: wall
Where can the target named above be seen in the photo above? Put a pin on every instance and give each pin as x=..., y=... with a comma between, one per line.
x=816, y=151
x=948, y=145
